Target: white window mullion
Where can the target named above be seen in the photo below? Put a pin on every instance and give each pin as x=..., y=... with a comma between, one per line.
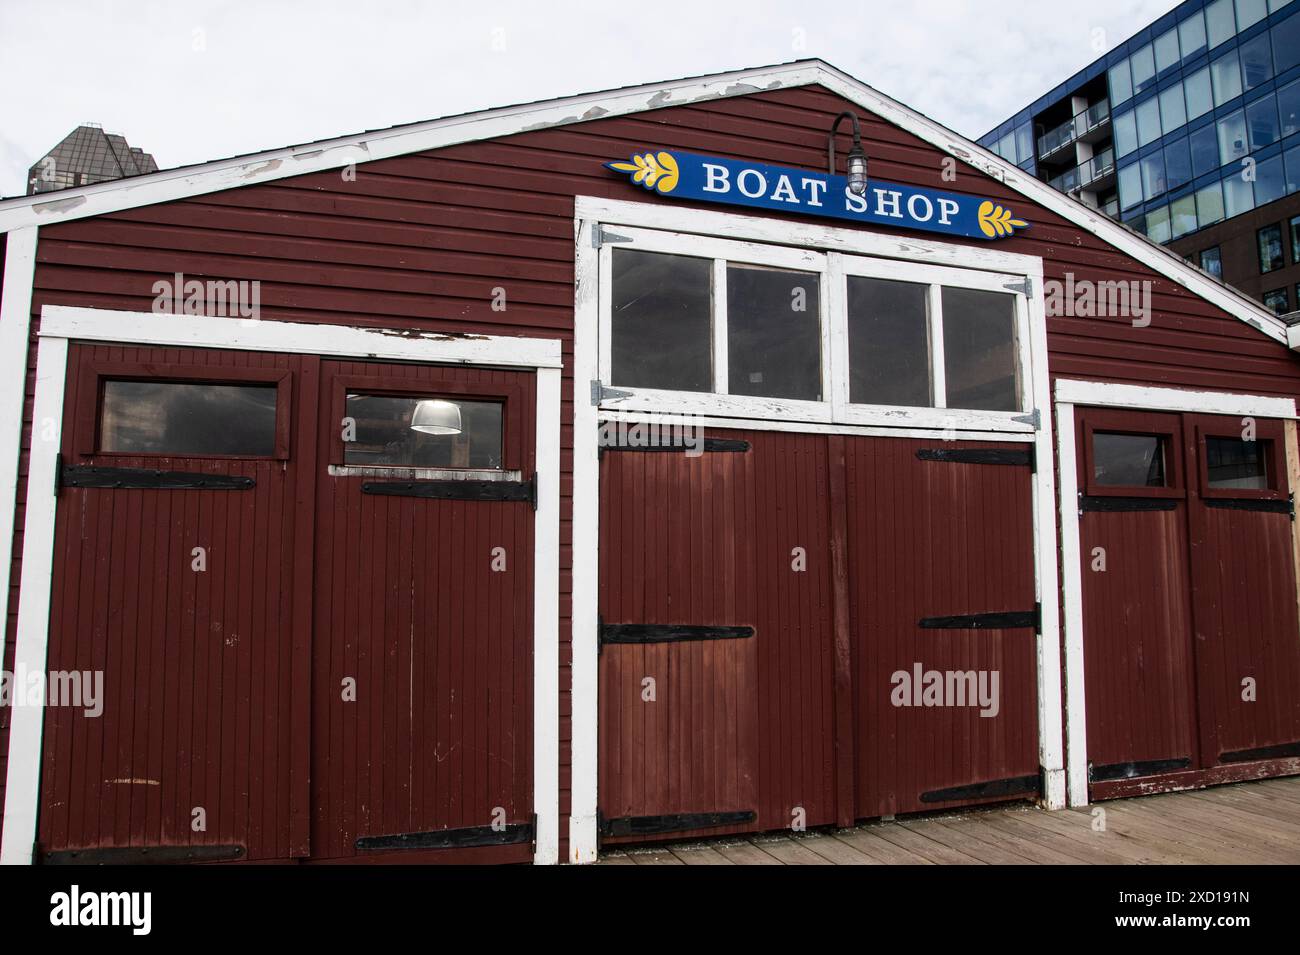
x=1024, y=381
x=721, y=372
x=605, y=336
x=938, y=379
x=835, y=334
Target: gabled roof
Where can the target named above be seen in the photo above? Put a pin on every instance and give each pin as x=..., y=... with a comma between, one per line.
x=186, y=181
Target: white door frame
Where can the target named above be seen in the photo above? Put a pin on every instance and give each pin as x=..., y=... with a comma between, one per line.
x=62, y=324
x=1071, y=393
x=591, y=300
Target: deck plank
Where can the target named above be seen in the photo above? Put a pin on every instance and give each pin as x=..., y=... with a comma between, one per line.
x=1256, y=822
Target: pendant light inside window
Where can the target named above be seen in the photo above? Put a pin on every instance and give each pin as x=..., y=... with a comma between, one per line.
x=436, y=416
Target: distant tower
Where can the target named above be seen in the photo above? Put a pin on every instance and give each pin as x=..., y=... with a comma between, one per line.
x=86, y=155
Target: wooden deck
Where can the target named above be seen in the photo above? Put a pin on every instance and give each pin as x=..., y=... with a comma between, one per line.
x=1256, y=823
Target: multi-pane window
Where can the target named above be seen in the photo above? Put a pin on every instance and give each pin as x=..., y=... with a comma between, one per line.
x=808, y=332
x=1269, y=241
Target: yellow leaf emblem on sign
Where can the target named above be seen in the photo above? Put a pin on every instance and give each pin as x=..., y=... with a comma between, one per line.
x=656, y=171
x=995, y=221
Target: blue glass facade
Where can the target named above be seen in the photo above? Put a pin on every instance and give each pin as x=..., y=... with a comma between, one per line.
x=1204, y=114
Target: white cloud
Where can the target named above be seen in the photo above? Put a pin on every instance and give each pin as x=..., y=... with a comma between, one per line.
x=214, y=78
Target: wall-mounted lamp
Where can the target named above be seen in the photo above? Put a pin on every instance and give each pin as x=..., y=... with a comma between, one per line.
x=856, y=164
x=435, y=416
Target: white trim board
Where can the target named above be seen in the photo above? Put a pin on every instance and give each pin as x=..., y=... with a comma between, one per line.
x=168, y=185
x=59, y=325
x=1101, y=394
x=1070, y=394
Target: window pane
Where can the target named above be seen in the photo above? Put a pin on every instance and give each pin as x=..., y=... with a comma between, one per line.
x=1226, y=75
x=1148, y=121
x=1172, y=112
x=1256, y=62
x=1209, y=206
x=1212, y=262
x=1288, y=107
x=187, y=418
x=979, y=349
x=1276, y=301
x=1275, y=5
x=401, y=431
x=1295, y=238
x=1269, y=240
x=1238, y=195
x=1158, y=224
x=1128, y=460
x=1126, y=137
x=1232, y=137
x=1219, y=22
x=1130, y=186
x=1007, y=147
x=1250, y=12
x=1178, y=164
x=1205, y=150
x=1261, y=121
x=1293, y=169
x=1121, y=84
x=889, y=343
x=1024, y=142
x=1191, y=34
x=1234, y=463
x=1182, y=215
x=1286, y=43
x=660, y=327
x=1144, y=68
x=1270, y=183
x=1166, y=50
x=773, y=333
x=1153, y=175
x=1200, y=99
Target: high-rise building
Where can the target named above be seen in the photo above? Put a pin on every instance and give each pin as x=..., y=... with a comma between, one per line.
x=1188, y=132
x=87, y=155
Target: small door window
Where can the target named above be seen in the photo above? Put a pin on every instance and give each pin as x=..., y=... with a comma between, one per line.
x=1128, y=460
x=889, y=343
x=382, y=430
x=187, y=418
x=1234, y=463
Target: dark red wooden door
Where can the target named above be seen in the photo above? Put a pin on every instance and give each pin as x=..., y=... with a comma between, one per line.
x=181, y=598
x=941, y=576
x=1191, y=631
x=721, y=706
x=422, y=665
x=756, y=602
x=1244, y=589
x=1140, y=690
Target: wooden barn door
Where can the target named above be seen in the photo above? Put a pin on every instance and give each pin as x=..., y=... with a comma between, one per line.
x=1191, y=632
x=1244, y=590
x=1140, y=686
x=943, y=621
x=716, y=661
x=173, y=546
x=422, y=666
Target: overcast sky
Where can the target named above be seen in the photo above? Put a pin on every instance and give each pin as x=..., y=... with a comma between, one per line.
x=190, y=80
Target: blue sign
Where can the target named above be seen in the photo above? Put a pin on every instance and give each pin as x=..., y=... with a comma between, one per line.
x=679, y=175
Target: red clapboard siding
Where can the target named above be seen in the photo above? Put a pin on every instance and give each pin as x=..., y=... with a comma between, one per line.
x=421, y=241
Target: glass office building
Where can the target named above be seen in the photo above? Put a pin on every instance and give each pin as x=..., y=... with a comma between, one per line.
x=1189, y=123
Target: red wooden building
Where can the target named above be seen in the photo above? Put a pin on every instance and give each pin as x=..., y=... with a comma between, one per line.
x=442, y=494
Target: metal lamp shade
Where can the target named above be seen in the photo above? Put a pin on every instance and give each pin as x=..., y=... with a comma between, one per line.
x=435, y=416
